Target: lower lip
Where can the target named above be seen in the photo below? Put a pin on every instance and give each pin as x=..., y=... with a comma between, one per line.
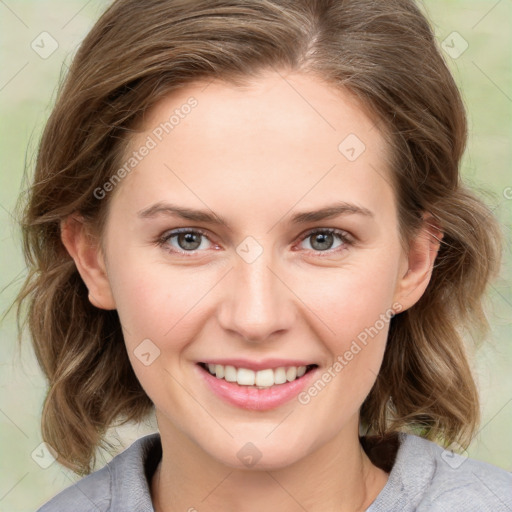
x=256, y=399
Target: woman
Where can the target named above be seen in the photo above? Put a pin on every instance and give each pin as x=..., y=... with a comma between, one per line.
x=248, y=215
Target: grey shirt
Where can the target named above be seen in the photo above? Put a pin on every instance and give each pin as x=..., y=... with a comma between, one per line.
x=423, y=478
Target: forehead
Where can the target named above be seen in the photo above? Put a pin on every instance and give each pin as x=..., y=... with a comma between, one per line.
x=286, y=137
x=292, y=105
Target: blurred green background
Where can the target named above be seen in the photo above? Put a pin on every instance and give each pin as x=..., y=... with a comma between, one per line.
x=480, y=55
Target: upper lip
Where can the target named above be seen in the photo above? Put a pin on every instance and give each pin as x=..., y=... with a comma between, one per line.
x=258, y=365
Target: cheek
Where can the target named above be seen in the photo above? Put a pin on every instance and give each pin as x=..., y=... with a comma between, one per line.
x=352, y=300
x=160, y=309
x=157, y=301
x=361, y=324
x=355, y=309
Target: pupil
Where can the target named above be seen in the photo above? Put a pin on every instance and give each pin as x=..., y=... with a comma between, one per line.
x=188, y=241
x=322, y=239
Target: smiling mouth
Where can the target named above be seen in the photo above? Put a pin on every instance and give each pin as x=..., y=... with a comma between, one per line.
x=261, y=379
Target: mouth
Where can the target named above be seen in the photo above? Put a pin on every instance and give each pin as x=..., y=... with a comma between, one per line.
x=257, y=390
x=260, y=379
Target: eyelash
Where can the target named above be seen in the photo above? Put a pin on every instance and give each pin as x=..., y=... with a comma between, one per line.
x=345, y=238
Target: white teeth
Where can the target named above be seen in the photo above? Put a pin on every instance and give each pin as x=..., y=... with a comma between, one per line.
x=245, y=377
x=230, y=372
x=261, y=379
x=280, y=375
x=218, y=370
x=264, y=378
x=291, y=373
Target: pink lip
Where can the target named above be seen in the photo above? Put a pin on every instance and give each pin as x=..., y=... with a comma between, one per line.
x=256, y=399
x=257, y=365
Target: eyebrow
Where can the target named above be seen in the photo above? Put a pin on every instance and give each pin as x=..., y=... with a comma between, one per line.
x=208, y=216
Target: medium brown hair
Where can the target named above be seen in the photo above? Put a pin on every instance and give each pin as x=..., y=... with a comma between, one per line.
x=381, y=51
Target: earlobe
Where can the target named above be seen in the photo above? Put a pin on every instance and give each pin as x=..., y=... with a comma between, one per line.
x=421, y=258
x=86, y=252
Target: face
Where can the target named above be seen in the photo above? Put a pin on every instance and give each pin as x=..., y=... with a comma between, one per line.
x=255, y=286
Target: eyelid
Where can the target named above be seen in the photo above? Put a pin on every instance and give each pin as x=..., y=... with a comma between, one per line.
x=167, y=235
x=345, y=236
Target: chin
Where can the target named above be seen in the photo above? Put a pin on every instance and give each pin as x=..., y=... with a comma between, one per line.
x=259, y=455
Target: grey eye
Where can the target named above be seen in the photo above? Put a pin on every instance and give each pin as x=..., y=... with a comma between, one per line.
x=189, y=241
x=322, y=241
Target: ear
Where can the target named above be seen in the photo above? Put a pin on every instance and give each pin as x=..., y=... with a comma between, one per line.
x=418, y=263
x=86, y=252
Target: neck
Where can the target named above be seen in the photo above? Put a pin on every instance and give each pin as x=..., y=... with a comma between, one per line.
x=337, y=476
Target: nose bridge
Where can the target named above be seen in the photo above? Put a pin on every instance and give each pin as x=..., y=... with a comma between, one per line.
x=257, y=303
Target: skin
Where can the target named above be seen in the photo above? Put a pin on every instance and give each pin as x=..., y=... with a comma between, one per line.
x=256, y=156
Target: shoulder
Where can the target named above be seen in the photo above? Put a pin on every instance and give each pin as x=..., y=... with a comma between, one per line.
x=468, y=484
x=92, y=492
x=425, y=477
x=461, y=483
x=120, y=485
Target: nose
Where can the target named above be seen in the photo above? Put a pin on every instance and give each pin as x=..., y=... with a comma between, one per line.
x=257, y=304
